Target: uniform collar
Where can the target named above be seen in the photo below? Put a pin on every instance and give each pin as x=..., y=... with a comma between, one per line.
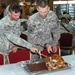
x=11, y=23
x=42, y=18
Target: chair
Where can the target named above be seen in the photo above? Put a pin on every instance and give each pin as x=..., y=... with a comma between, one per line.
x=66, y=42
x=58, y=52
x=2, y=58
x=21, y=55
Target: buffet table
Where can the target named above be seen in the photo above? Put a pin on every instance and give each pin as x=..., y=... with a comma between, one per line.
x=18, y=68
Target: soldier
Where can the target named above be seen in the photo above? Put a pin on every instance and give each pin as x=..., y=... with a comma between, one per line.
x=65, y=26
x=10, y=31
x=43, y=28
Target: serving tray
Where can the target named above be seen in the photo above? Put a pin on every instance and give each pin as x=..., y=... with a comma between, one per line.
x=39, y=67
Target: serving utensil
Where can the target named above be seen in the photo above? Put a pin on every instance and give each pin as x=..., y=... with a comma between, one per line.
x=39, y=52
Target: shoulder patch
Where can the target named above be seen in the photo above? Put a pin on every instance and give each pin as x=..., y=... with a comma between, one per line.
x=6, y=27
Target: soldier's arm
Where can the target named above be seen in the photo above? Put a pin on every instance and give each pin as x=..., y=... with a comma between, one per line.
x=56, y=31
x=15, y=39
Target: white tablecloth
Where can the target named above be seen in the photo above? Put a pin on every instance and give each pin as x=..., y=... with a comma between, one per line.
x=12, y=69
x=16, y=69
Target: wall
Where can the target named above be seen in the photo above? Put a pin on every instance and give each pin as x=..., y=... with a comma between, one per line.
x=51, y=3
x=27, y=11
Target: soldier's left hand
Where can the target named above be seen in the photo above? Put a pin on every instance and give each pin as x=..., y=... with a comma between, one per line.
x=33, y=49
x=54, y=49
x=48, y=47
x=14, y=49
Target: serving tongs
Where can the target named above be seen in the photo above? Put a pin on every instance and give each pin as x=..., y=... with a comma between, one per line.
x=39, y=52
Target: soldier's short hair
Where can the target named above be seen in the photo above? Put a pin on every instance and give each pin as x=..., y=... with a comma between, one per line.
x=14, y=7
x=42, y=3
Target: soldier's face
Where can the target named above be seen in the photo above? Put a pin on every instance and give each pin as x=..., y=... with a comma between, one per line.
x=14, y=16
x=43, y=11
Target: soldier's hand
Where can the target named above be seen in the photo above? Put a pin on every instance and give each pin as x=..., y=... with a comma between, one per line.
x=48, y=47
x=54, y=49
x=33, y=49
x=14, y=49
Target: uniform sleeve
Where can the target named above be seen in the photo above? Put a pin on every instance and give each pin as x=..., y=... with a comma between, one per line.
x=55, y=31
x=15, y=39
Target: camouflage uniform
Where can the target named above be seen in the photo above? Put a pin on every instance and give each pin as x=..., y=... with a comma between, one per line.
x=42, y=31
x=67, y=26
x=10, y=35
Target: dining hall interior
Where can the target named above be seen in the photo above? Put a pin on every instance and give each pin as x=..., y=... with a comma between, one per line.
x=60, y=62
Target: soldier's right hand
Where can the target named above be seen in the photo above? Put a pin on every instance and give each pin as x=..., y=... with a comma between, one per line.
x=33, y=49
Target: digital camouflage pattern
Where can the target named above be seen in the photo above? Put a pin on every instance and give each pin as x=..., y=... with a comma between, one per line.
x=43, y=31
x=10, y=35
